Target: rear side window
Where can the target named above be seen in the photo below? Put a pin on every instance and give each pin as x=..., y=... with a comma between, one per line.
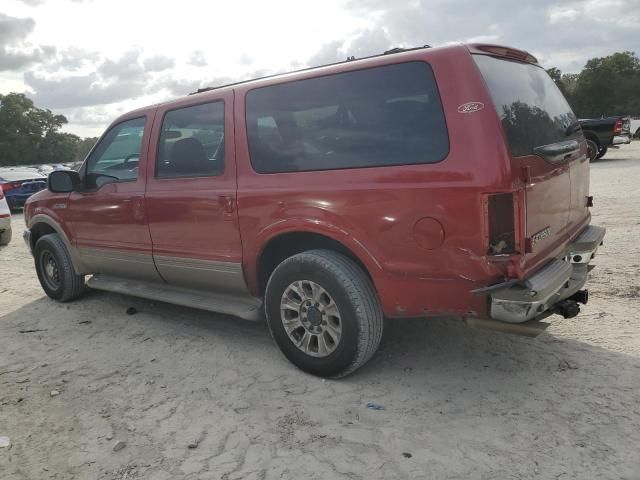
x=532, y=109
x=192, y=142
x=382, y=116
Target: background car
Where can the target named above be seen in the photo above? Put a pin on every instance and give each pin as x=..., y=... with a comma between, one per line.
x=604, y=133
x=635, y=127
x=5, y=220
x=20, y=184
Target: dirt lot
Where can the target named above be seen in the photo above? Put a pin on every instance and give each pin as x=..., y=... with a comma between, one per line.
x=201, y=396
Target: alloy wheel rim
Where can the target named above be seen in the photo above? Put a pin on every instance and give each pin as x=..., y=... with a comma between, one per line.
x=311, y=318
x=50, y=270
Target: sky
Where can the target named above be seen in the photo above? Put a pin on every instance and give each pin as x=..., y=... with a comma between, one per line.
x=92, y=60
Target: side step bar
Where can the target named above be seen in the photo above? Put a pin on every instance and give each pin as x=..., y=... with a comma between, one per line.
x=248, y=308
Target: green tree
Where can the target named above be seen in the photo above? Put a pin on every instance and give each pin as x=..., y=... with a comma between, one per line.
x=84, y=147
x=608, y=86
x=30, y=135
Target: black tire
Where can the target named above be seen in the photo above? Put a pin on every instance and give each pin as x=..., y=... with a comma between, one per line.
x=5, y=237
x=69, y=285
x=602, y=152
x=593, y=150
x=361, y=318
x=637, y=134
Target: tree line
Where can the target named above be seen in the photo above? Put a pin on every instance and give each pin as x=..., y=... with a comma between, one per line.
x=606, y=86
x=31, y=136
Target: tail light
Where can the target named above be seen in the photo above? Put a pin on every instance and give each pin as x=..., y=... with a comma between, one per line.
x=9, y=186
x=502, y=234
x=617, y=128
x=1, y=193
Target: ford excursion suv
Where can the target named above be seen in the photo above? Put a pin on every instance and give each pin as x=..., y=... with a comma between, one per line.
x=426, y=182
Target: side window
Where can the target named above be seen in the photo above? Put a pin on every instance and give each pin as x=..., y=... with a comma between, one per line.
x=117, y=155
x=192, y=142
x=375, y=117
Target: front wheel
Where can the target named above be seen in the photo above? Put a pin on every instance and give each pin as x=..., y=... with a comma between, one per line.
x=55, y=269
x=323, y=312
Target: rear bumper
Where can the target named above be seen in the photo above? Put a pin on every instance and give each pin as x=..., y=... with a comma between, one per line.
x=621, y=139
x=560, y=279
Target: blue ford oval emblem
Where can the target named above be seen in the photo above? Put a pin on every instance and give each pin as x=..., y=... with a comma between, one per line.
x=470, y=107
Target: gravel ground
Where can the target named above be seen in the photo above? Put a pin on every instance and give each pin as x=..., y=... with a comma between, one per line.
x=193, y=395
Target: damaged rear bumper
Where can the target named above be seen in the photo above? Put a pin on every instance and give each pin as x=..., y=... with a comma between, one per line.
x=548, y=290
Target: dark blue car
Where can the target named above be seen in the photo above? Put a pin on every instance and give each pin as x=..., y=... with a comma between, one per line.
x=18, y=185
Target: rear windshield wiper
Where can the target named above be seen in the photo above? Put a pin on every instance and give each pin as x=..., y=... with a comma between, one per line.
x=557, y=152
x=574, y=127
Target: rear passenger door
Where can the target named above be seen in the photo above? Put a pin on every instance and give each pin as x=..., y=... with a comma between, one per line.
x=191, y=195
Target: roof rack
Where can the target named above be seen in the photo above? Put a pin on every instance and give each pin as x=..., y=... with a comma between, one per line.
x=349, y=59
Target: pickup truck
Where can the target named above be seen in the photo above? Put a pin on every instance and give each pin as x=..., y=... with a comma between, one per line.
x=602, y=133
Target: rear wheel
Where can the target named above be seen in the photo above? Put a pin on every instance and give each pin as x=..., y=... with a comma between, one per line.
x=602, y=152
x=592, y=150
x=323, y=313
x=55, y=269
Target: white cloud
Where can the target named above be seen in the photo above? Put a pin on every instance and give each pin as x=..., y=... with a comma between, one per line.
x=94, y=58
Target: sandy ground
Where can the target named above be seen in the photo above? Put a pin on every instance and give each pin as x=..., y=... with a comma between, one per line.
x=201, y=396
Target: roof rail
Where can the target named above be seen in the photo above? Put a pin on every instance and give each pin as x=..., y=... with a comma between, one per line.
x=400, y=49
x=349, y=59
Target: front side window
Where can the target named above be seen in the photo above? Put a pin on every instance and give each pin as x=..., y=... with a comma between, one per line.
x=381, y=116
x=192, y=142
x=117, y=155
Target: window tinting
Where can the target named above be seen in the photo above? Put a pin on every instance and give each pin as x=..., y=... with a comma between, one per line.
x=532, y=109
x=117, y=155
x=192, y=142
x=382, y=116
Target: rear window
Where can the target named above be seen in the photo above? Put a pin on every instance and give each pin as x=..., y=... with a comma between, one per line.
x=382, y=116
x=532, y=109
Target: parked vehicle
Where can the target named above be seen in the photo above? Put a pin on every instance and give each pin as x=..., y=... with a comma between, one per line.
x=603, y=133
x=19, y=184
x=5, y=220
x=445, y=181
x=635, y=127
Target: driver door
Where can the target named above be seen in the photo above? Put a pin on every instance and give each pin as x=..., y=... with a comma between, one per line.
x=108, y=216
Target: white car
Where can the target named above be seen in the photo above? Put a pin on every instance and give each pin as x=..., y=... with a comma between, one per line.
x=5, y=220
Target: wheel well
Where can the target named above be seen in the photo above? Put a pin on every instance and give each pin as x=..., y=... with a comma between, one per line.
x=289, y=244
x=591, y=136
x=38, y=230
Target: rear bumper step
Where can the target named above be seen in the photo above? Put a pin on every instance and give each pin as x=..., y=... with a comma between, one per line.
x=555, y=288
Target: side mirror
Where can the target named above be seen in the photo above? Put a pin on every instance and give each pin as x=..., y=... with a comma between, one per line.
x=63, y=181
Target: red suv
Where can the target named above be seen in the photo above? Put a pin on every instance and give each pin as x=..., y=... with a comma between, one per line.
x=444, y=181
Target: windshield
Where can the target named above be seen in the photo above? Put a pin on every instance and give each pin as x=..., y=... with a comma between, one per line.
x=532, y=109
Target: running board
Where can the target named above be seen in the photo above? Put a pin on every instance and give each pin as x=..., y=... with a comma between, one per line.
x=248, y=308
